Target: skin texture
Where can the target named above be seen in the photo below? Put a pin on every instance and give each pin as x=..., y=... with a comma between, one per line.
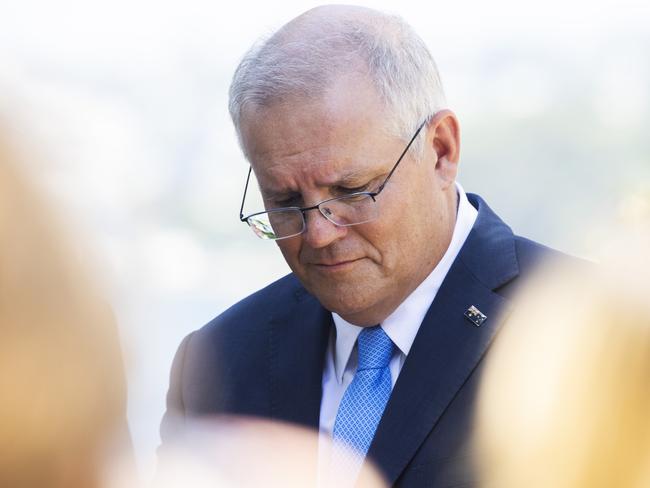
x=304, y=152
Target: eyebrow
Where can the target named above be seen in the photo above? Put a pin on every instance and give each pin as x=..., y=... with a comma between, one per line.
x=278, y=194
x=351, y=178
x=354, y=177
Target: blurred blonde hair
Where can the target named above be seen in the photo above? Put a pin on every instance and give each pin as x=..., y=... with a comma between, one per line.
x=565, y=401
x=62, y=388
x=236, y=451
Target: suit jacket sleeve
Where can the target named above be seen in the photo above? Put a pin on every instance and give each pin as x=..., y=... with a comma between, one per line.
x=175, y=413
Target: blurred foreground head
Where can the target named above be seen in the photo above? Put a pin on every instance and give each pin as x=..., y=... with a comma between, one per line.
x=234, y=452
x=565, y=401
x=61, y=374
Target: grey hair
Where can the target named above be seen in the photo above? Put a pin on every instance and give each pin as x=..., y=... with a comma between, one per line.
x=304, y=56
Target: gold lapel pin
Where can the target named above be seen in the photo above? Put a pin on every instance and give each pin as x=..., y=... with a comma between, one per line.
x=475, y=316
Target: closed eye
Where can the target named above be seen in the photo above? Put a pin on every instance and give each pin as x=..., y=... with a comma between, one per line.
x=356, y=189
x=293, y=201
x=370, y=186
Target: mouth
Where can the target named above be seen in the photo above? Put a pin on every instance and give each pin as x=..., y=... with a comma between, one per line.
x=336, y=265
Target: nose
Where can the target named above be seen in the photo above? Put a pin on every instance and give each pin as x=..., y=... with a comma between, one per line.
x=319, y=231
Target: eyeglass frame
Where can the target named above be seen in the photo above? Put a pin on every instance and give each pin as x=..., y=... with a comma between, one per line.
x=371, y=194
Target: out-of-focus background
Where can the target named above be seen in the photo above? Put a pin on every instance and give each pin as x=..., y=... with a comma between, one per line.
x=123, y=105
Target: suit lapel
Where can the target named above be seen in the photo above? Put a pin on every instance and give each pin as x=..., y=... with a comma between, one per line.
x=298, y=337
x=448, y=346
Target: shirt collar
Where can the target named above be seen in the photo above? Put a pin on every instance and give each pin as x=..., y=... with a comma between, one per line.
x=403, y=324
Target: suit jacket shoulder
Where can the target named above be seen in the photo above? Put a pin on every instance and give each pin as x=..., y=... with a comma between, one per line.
x=259, y=358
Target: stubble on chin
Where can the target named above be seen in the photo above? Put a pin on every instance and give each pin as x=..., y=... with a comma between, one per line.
x=348, y=298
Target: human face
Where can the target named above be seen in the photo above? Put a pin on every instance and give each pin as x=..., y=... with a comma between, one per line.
x=305, y=153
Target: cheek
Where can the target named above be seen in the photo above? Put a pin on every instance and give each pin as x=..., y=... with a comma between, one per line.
x=408, y=228
x=290, y=249
x=383, y=243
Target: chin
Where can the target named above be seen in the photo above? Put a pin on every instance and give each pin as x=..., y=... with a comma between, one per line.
x=354, y=308
x=351, y=298
x=341, y=305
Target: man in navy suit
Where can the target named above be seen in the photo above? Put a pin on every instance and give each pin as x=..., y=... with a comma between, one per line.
x=342, y=117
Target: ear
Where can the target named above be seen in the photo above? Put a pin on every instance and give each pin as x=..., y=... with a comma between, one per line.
x=443, y=137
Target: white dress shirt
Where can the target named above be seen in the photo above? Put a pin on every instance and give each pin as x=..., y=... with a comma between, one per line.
x=401, y=326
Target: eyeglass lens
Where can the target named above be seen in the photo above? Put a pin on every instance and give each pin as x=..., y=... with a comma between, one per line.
x=343, y=211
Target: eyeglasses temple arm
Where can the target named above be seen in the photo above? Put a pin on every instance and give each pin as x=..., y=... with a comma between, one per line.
x=243, y=198
x=381, y=187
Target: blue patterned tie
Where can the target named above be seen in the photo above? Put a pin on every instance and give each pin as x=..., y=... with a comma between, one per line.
x=364, y=400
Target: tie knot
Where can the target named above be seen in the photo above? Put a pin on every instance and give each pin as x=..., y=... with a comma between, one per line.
x=375, y=348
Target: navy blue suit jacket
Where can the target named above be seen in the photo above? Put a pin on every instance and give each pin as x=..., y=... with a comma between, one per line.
x=264, y=357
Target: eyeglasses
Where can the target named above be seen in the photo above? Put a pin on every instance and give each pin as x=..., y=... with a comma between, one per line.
x=352, y=209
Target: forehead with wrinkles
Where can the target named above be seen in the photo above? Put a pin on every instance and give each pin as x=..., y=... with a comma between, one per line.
x=337, y=137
